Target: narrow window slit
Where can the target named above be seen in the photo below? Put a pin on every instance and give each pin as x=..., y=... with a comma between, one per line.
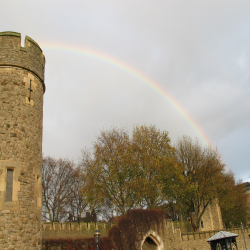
x=9, y=185
x=39, y=191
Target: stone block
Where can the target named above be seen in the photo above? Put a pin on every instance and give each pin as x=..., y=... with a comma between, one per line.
x=30, y=76
x=6, y=211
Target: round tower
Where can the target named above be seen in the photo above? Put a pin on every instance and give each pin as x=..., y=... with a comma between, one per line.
x=21, y=122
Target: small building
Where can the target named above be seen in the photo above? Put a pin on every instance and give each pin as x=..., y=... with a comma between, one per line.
x=223, y=241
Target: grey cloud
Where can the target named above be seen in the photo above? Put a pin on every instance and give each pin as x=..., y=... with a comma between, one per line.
x=197, y=51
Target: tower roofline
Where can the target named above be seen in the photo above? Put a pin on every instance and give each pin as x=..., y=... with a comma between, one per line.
x=29, y=57
x=12, y=33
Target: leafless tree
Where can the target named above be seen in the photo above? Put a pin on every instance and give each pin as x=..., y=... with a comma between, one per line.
x=58, y=178
x=77, y=202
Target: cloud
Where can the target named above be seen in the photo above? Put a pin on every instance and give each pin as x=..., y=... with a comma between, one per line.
x=197, y=51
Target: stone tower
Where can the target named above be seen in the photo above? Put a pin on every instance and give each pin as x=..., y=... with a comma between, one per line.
x=212, y=219
x=21, y=116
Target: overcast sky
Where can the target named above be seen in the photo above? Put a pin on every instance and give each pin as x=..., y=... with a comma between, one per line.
x=197, y=52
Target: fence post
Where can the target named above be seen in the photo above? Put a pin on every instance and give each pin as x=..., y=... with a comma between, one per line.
x=242, y=228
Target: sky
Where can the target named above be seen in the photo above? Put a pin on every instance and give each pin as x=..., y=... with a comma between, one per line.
x=181, y=65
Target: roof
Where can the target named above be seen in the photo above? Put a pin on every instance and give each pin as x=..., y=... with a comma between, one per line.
x=247, y=186
x=222, y=235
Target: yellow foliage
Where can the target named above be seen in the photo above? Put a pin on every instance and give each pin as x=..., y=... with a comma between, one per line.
x=127, y=170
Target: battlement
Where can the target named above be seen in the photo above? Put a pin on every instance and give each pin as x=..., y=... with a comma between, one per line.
x=166, y=235
x=29, y=57
x=209, y=234
x=74, y=229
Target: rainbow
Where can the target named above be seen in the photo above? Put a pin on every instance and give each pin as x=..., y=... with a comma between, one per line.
x=108, y=59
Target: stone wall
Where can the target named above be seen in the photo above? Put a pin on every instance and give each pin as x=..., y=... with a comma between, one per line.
x=198, y=241
x=165, y=236
x=21, y=114
x=212, y=219
x=73, y=230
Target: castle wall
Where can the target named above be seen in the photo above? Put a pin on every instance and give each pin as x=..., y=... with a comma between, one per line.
x=73, y=230
x=166, y=235
x=198, y=241
x=21, y=113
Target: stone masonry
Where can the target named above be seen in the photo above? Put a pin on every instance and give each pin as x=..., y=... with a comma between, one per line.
x=212, y=219
x=164, y=235
x=21, y=114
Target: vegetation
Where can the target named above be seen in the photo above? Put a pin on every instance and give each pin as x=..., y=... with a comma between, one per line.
x=153, y=158
x=125, y=171
x=232, y=199
x=109, y=176
x=133, y=227
x=195, y=180
x=61, y=189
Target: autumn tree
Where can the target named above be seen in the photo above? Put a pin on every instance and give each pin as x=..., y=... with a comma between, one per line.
x=195, y=179
x=109, y=171
x=233, y=201
x=153, y=157
x=125, y=171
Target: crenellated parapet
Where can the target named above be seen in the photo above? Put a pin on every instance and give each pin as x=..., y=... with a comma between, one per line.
x=163, y=235
x=29, y=57
x=73, y=230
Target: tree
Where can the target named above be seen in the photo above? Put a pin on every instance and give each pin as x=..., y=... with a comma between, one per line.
x=106, y=210
x=172, y=211
x=109, y=172
x=57, y=180
x=154, y=156
x=233, y=201
x=77, y=203
x=125, y=172
x=195, y=179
